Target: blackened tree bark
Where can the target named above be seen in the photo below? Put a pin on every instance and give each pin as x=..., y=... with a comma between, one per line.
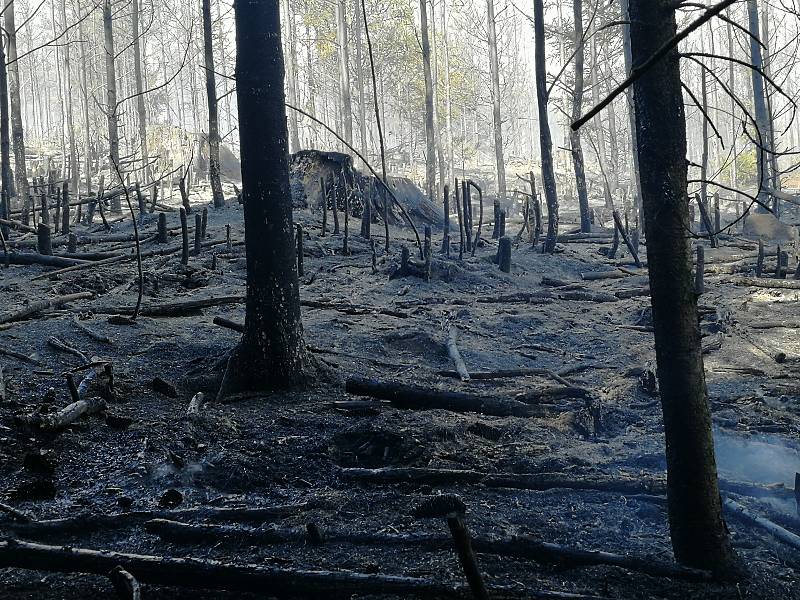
x=545, y=140
x=17, y=131
x=575, y=136
x=111, y=99
x=5, y=141
x=271, y=353
x=141, y=112
x=699, y=536
x=759, y=105
x=430, y=132
x=213, y=117
x=344, y=71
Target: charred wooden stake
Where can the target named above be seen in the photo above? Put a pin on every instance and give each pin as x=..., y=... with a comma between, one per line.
x=626, y=239
x=455, y=355
x=324, y=207
x=345, y=247
x=65, y=214
x=140, y=199
x=446, y=230
x=125, y=584
x=783, y=264
x=366, y=215
x=460, y=224
x=612, y=253
x=405, y=255
x=427, y=252
x=57, y=219
x=760, y=260
x=699, y=287
x=335, y=210
x=466, y=201
x=374, y=257
x=300, y=271
x=228, y=243
x=471, y=183
x=184, y=237
x=466, y=556
x=161, y=236
x=198, y=232
x=45, y=215
x=204, y=224
x=707, y=225
x=504, y=254
x=43, y=243
x=72, y=243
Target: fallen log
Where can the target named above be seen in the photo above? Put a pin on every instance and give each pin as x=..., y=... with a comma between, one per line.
x=553, y=393
x=600, y=275
x=787, y=537
x=41, y=305
x=170, y=309
x=425, y=398
x=784, y=284
x=90, y=522
x=212, y=574
x=587, y=296
x=532, y=481
x=20, y=258
x=66, y=416
x=524, y=547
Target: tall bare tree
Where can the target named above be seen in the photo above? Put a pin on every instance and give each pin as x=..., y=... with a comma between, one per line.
x=213, y=115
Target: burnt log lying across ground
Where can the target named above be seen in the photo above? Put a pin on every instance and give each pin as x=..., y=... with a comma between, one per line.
x=308, y=167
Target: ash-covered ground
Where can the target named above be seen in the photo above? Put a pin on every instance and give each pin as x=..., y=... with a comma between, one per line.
x=144, y=453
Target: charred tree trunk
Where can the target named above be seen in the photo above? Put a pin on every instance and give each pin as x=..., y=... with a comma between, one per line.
x=760, y=107
x=699, y=535
x=5, y=143
x=271, y=353
x=213, y=117
x=141, y=113
x=430, y=132
x=291, y=69
x=575, y=136
x=344, y=71
x=494, y=71
x=69, y=109
x=545, y=140
x=111, y=99
x=15, y=102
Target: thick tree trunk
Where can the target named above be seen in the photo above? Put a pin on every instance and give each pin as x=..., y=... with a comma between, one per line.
x=344, y=71
x=430, y=132
x=575, y=136
x=271, y=353
x=545, y=141
x=699, y=535
x=213, y=117
x=17, y=131
x=760, y=108
x=111, y=100
x=141, y=112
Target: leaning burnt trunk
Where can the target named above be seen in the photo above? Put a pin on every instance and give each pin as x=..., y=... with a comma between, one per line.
x=271, y=353
x=699, y=535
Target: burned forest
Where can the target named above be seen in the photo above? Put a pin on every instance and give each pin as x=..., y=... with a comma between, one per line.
x=482, y=299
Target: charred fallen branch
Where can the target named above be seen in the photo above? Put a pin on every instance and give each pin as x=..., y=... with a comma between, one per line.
x=211, y=574
x=532, y=481
x=524, y=547
x=39, y=306
x=420, y=398
x=89, y=522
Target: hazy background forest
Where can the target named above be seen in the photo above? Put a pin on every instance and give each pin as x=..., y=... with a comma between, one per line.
x=60, y=70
